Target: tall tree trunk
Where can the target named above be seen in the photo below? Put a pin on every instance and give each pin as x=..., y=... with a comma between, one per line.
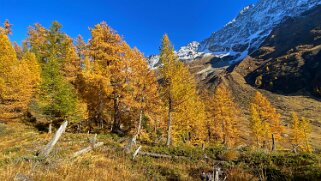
x=100, y=117
x=169, y=123
x=306, y=141
x=209, y=133
x=132, y=141
x=116, y=124
x=155, y=132
x=273, y=142
x=224, y=131
x=139, y=127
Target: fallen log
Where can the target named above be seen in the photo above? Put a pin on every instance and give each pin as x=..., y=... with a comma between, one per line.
x=22, y=177
x=88, y=149
x=157, y=155
x=48, y=148
x=121, y=140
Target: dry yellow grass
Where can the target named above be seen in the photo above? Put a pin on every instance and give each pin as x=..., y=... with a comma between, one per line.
x=19, y=144
x=89, y=167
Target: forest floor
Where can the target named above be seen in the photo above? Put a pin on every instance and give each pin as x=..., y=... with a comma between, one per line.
x=20, y=143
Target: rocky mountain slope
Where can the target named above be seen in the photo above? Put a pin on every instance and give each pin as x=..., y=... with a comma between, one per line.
x=286, y=69
x=248, y=30
x=289, y=60
x=244, y=34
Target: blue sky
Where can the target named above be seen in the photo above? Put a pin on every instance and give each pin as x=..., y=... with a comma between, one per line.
x=141, y=22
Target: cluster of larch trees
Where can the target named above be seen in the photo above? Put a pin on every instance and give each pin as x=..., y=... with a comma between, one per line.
x=267, y=128
x=104, y=84
x=19, y=75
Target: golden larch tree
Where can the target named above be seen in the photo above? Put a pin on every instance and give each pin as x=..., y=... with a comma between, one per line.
x=300, y=133
x=265, y=120
x=305, y=127
x=296, y=134
x=222, y=116
x=106, y=49
x=141, y=97
x=81, y=47
x=18, y=79
x=260, y=130
x=178, y=90
x=72, y=63
x=94, y=88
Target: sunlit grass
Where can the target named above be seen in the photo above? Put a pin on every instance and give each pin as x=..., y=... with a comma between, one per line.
x=20, y=144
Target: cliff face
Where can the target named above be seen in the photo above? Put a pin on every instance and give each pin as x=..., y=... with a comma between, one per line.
x=244, y=34
x=248, y=30
x=289, y=60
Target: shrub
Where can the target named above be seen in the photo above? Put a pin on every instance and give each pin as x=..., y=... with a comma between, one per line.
x=230, y=155
x=282, y=166
x=239, y=174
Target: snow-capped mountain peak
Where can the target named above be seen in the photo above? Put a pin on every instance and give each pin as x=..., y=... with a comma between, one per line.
x=254, y=23
x=247, y=31
x=189, y=51
x=153, y=61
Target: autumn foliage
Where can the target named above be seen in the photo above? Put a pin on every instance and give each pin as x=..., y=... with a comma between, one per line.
x=104, y=85
x=185, y=113
x=265, y=121
x=18, y=80
x=300, y=131
x=222, y=117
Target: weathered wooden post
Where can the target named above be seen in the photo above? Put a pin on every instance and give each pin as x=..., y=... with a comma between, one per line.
x=93, y=141
x=295, y=148
x=217, y=174
x=131, y=142
x=50, y=128
x=93, y=145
